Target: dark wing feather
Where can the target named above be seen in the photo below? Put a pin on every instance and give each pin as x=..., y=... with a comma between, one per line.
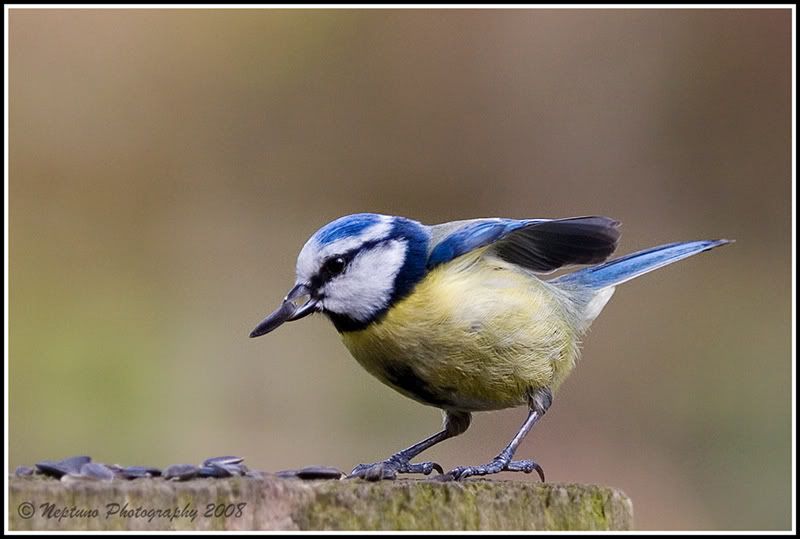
x=548, y=245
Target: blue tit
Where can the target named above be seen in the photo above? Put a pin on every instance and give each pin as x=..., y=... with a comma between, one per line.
x=456, y=315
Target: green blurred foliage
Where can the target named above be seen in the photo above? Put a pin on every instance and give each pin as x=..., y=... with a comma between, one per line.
x=167, y=165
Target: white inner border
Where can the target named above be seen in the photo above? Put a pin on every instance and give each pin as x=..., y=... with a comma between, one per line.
x=8, y=7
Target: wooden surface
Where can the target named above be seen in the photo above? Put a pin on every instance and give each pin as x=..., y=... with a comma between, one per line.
x=243, y=503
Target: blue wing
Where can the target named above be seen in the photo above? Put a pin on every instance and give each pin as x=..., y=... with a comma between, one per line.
x=540, y=245
x=470, y=235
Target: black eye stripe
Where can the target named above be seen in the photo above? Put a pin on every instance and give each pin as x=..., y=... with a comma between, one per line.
x=324, y=275
x=345, y=259
x=326, y=272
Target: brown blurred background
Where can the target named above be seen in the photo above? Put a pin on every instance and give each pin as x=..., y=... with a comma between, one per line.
x=166, y=166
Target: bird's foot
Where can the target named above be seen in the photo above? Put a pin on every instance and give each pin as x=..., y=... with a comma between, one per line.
x=497, y=465
x=389, y=468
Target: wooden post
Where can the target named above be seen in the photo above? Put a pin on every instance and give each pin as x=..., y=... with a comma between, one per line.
x=271, y=503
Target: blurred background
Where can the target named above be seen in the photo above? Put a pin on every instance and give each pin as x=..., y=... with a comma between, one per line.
x=166, y=166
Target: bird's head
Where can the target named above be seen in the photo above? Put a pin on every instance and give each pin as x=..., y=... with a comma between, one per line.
x=353, y=269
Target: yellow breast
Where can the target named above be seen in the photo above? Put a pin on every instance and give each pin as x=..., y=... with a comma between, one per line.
x=475, y=334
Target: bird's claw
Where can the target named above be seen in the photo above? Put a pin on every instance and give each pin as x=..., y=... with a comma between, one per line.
x=497, y=465
x=526, y=466
x=389, y=468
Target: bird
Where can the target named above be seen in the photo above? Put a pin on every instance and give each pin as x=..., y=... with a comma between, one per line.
x=460, y=316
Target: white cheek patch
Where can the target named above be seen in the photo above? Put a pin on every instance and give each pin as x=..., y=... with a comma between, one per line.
x=313, y=255
x=367, y=285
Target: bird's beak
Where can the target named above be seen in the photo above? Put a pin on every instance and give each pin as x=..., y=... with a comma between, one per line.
x=288, y=311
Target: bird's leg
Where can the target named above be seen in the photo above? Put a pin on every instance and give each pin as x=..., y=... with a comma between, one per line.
x=455, y=423
x=538, y=403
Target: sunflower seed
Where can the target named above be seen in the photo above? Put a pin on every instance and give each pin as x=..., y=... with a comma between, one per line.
x=136, y=472
x=95, y=471
x=74, y=464
x=22, y=471
x=181, y=472
x=52, y=468
x=213, y=471
x=312, y=472
x=227, y=460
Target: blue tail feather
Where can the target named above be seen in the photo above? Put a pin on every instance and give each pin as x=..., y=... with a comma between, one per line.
x=625, y=268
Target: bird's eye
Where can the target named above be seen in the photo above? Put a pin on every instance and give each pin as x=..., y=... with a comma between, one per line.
x=335, y=266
